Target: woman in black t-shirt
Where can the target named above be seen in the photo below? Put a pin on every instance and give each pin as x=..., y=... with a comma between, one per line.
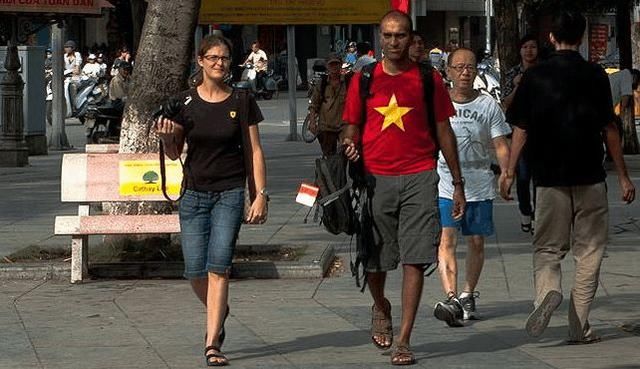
x=212, y=208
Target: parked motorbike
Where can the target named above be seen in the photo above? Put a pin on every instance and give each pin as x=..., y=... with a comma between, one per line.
x=103, y=121
x=103, y=117
x=85, y=88
x=262, y=84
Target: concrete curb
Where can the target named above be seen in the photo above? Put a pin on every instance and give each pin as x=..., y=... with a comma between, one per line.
x=314, y=263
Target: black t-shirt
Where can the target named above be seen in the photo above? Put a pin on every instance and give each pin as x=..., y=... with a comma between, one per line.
x=564, y=105
x=215, y=158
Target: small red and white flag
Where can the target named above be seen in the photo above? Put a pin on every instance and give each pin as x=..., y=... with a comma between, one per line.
x=307, y=194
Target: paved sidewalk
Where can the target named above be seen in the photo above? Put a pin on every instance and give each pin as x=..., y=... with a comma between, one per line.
x=310, y=324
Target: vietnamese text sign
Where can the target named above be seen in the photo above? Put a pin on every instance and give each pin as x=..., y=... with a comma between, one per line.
x=598, y=39
x=142, y=177
x=292, y=11
x=52, y=6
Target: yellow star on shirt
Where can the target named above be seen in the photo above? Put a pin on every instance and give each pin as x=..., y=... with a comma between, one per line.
x=393, y=113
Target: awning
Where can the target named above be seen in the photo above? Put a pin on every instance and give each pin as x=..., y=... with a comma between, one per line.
x=54, y=7
x=288, y=12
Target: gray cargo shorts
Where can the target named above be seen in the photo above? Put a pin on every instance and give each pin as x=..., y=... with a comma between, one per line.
x=406, y=220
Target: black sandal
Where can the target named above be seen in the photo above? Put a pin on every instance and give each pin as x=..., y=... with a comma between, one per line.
x=216, y=354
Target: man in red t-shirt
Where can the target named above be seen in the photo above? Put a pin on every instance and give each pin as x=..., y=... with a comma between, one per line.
x=399, y=158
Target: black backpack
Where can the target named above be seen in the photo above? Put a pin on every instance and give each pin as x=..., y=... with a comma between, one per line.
x=335, y=195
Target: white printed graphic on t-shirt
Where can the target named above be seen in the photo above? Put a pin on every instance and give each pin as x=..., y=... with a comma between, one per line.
x=475, y=125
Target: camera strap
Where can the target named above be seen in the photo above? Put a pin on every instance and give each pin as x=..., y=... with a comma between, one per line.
x=163, y=174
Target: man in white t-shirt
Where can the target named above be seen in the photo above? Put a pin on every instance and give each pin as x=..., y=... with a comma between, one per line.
x=72, y=59
x=257, y=57
x=72, y=71
x=479, y=123
x=259, y=60
x=621, y=89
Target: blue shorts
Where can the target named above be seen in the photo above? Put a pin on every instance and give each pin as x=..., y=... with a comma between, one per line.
x=209, y=223
x=477, y=219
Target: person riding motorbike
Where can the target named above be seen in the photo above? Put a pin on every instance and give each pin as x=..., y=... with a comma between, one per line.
x=258, y=58
x=72, y=71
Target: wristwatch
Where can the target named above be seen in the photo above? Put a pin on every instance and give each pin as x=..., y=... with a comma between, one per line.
x=458, y=182
x=264, y=193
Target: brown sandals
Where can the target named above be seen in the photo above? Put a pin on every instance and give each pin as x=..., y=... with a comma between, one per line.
x=381, y=326
x=402, y=355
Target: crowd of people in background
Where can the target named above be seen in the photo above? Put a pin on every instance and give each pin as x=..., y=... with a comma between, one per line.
x=94, y=65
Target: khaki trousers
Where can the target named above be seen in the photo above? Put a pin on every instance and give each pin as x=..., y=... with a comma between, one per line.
x=575, y=218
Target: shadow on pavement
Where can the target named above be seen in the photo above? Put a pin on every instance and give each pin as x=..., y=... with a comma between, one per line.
x=339, y=339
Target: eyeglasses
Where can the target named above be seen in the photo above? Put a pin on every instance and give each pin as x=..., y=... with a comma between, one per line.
x=461, y=67
x=215, y=58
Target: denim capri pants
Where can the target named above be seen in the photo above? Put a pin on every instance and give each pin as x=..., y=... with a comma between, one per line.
x=210, y=222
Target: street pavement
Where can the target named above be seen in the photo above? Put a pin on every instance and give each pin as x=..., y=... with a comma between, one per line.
x=297, y=323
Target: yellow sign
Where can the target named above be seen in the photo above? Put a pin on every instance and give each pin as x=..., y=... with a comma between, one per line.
x=142, y=177
x=293, y=11
x=53, y=6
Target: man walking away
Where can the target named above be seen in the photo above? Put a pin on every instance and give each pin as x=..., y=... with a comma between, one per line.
x=562, y=109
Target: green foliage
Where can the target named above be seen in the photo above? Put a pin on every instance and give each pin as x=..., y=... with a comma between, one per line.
x=150, y=177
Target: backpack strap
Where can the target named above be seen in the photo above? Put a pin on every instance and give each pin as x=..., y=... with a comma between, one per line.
x=163, y=175
x=426, y=72
x=366, y=78
x=324, y=80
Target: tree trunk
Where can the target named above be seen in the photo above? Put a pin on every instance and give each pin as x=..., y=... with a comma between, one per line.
x=160, y=71
x=623, y=24
x=623, y=34
x=506, y=18
x=635, y=44
x=138, y=9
